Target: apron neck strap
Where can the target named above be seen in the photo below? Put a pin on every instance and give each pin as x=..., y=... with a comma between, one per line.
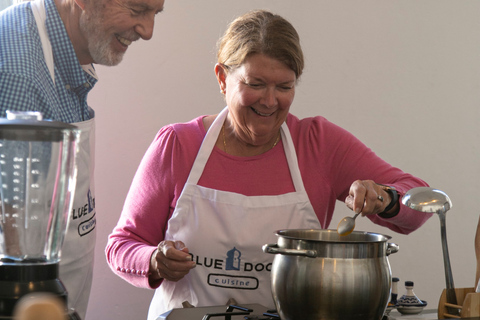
x=206, y=147
x=39, y=12
x=292, y=160
x=209, y=143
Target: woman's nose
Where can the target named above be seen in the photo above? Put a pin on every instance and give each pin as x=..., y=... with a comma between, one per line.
x=270, y=98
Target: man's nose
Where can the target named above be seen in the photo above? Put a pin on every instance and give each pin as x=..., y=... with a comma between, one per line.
x=145, y=28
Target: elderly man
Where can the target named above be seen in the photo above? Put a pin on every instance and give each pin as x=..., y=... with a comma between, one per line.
x=47, y=52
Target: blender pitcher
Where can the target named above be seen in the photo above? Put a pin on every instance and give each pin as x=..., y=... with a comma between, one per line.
x=37, y=184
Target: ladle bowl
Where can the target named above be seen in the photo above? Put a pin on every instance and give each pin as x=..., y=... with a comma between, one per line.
x=430, y=200
x=426, y=199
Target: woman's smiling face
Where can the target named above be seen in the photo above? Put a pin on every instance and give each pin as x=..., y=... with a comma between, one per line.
x=258, y=94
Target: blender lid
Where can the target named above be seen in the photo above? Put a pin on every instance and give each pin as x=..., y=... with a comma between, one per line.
x=29, y=126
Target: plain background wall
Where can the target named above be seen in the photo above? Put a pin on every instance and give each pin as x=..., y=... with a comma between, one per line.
x=402, y=75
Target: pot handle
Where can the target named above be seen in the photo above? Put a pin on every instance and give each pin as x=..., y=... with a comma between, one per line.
x=274, y=249
x=392, y=248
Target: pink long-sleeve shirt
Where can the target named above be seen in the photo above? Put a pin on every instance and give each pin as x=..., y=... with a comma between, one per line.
x=329, y=157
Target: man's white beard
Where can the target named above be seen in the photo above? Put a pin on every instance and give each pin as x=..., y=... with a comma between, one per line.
x=98, y=42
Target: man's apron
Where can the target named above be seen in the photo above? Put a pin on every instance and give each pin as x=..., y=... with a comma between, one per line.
x=76, y=264
x=225, y=232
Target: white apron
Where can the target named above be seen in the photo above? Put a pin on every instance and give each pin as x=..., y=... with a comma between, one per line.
x=225, y=232
x=76, y=264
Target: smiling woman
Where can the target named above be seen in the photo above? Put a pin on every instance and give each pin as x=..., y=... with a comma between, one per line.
x=259, y=94
x=254, y=168
x=396, y=86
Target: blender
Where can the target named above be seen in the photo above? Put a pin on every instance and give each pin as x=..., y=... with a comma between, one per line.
x=37, y=184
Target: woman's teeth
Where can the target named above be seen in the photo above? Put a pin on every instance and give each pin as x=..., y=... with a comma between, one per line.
x=262, y=114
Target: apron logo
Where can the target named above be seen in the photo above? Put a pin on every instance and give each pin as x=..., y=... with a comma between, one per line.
x=91, y=201
x=233, y=259
x=234, y=282
x=87, y=226
x=237, y=273
x=86, y=209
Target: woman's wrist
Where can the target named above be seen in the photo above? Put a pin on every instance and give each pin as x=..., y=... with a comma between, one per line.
x=152, y=270
x=393, y=207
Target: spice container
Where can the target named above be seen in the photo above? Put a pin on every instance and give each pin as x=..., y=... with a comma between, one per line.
x=409, y=303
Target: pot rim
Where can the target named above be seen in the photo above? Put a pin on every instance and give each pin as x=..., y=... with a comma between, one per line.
x=333, y=236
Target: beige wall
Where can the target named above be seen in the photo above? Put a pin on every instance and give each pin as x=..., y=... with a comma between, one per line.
x=402, y=75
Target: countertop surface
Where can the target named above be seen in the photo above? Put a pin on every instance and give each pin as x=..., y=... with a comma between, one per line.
x=425, y=314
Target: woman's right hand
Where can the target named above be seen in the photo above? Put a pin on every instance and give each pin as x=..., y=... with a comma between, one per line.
x=171, y=261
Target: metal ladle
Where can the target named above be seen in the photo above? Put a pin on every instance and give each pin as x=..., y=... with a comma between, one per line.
x=426, y=199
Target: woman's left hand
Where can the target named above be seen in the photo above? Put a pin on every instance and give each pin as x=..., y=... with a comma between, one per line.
x=367, y=197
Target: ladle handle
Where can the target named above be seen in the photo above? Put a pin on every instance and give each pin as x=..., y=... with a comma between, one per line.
x=450, y=287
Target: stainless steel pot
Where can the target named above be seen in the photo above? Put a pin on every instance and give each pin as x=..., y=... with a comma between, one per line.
x=318, y=274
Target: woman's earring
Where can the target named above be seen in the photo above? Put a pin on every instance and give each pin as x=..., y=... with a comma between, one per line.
x=222, y=91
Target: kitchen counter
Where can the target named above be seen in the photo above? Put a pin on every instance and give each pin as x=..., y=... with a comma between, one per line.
x=425, y=314
x=199, y=312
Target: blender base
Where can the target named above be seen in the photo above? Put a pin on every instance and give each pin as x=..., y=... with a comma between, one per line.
x=72, y=315
x=18, y=280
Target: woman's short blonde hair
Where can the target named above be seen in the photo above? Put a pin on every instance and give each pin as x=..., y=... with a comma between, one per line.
x=261, y=32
